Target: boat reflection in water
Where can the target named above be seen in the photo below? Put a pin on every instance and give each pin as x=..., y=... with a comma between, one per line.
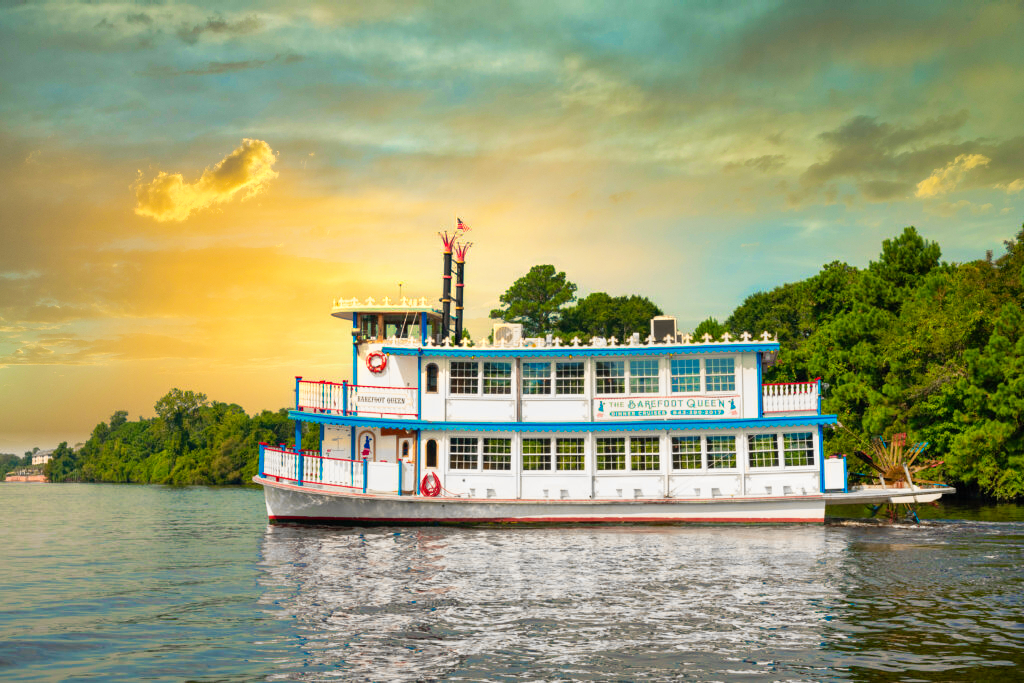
x=559, y=602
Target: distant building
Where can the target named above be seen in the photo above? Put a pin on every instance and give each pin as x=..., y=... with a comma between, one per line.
x=42, y=457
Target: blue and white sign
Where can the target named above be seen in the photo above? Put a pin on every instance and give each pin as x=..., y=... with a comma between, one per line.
x=667, y=407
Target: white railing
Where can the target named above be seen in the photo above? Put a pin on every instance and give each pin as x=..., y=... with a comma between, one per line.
x=789, y=397
x=355, y=399
x=310, y=468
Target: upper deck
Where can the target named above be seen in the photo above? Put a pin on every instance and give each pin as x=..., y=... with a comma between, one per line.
x=536, y=382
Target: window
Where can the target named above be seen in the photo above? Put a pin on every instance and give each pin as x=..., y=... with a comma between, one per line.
x=686, y=453
x=611, y=453
x=432, y=453
x=643, y=376
x=536, y=454
x=497, y=378
x=369, y=325
x=569, y=454
x=536, y=379
x=611, y=376
x=720, y=374
x=497, y=454
x=405, y=449
x=568, y=378
x=763, y=450
x=644, y=452
x=462, y=453
x=685, y=374
x=432, y=378
x=464, y=377
x=798, y=449
x=721, y=452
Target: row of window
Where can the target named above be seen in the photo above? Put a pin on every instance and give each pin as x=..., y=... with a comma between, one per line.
x=632, y=453
x=687, y=375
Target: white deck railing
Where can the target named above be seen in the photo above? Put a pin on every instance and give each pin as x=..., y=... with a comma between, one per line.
x=791, y=397
x=355, y=399
x=311, y=468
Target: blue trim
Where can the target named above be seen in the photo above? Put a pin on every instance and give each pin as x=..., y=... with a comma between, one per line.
x=423, y=328
x=416, y=484
x=366, y=469
x=819, y=396
x=260, y=466
x=419, y=387
x=623, y=426
x=298, y=452
x=400, y=475
x=760, y=390
x=821, y=458
x=355, y=350
x=298, y=379
x=846, y=477
x=344, y=397
x=563, y=351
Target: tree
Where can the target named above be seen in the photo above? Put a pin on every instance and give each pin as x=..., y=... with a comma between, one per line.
x=536, y=300
x=709, y=326
x=601, y=315
x=179, y=411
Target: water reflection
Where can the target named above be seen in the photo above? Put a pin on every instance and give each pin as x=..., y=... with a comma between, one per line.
x=567, y=603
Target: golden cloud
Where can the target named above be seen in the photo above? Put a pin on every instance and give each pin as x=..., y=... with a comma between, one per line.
x=247, y=169
x=1012, y=188
x=943, y=180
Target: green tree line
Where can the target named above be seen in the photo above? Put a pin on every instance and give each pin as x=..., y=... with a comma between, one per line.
x=912, y=344
x=190, y=441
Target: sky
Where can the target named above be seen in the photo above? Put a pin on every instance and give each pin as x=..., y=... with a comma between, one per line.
x=185, y=188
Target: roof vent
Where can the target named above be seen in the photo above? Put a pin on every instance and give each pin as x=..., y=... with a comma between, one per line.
x=664, y=326
x=508, y=333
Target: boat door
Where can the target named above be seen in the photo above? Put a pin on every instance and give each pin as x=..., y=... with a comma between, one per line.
x=430, y=461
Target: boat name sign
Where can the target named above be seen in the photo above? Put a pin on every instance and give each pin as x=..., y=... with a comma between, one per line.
x=384, y=401
x=666, y=407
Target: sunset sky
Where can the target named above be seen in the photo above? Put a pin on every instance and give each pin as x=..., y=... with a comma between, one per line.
x=185, y=188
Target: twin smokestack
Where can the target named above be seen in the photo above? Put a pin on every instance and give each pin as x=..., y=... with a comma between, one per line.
x=452, y=245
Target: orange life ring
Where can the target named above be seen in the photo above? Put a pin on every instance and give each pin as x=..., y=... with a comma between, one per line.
x=431, y=485
x=376, y=362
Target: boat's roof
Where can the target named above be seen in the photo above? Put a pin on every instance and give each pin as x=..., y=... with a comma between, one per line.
x=345, y=308
x=483, y=350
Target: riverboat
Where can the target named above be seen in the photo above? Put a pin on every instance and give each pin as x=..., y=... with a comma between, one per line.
x=666, y=429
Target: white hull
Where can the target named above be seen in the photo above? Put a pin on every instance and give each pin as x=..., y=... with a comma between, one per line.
x=305, y=504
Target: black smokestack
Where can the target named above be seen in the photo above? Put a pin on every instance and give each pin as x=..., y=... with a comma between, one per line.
x=446, y=285
x=460, y=274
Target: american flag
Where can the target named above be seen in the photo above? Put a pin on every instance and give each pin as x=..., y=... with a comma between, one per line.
x=459, y=225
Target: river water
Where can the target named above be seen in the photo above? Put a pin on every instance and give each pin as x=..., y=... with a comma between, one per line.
x=112, y=583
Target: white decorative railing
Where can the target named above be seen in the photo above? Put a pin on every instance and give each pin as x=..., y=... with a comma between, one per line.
x=310, y=468
x=355, y=399
x=791, y=397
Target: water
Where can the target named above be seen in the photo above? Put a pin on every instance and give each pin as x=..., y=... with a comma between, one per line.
x=104, y=582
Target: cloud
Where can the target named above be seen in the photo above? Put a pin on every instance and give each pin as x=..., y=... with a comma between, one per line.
x=948, y=209
x=943, y=180
x=169, y=198
x=765, y=164
x=218, y=25
x=220, y=67
x=1012, y=188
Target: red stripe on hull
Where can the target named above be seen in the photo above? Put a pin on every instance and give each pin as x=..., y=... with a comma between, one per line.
x=461, y=521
